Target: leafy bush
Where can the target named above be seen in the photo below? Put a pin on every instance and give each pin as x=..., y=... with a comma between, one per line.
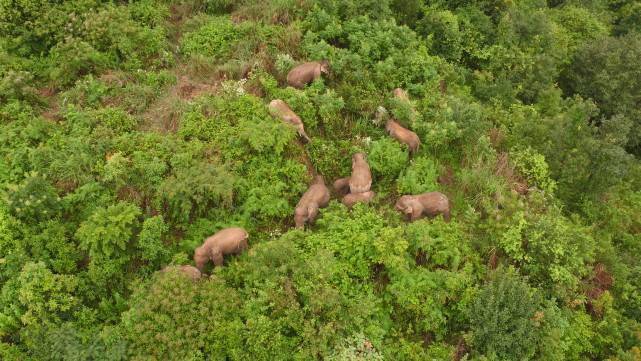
x=356, y=348
x=332, y=159
x=605, y=70
x=533, y=166
x=108, y=231
x=34, y=199
x=216, y=38
x=36, y=296
x=192, y=189
x=351, y=239
x=150, y=239
x=442, y=28
x=130, y=131
x=558, y=251
x=387, y=158
x=192, y=319
x=504, y=317
x=419, y=177
x=149, y=13
x=16, y=85
x=218, y=6
x=74, y=58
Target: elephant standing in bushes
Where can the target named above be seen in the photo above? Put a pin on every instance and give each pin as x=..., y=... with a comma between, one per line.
x=281, y=110
x=428, y=204
x=316, y=197
x=356, y=188
x=403, y=135
x=225, y=241
x=361, y=179
x=306, y=73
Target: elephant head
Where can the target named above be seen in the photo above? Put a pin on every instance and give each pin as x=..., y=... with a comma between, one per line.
x=407, y=204
x=324, y=66
x=303, y=215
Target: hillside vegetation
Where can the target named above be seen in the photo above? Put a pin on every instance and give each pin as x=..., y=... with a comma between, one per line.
x=132, y=130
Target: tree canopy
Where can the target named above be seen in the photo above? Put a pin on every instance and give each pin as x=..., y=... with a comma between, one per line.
x=132, y=130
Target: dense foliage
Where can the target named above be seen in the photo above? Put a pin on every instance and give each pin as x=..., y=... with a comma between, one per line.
x=130, y=131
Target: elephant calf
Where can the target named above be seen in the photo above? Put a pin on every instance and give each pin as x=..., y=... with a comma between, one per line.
x=280, y=109
x=361, y=179
x=306, y=73
x=316, y=197
x=428, y=204
x=403, y=135
x=226, y=241
x=341, y=186
x=353, y=198
x=190, y=271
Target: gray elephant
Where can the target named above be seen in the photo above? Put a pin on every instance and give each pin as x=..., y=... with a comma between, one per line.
x=403, y=135
x=316, y=197
x=306, y=73
x=361, y=179
x=226, y=241
x=281, y=110
x=351, y=199
x=428, y=204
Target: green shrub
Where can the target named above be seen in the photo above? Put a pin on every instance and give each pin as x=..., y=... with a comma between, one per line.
x=605, y=70
x=426, y=301
x=419, y=177
x=54, y=246
x=356, y=348
x=17, y=85
x=387, y=158
x=105, y=38
x=239, y=125
x=502, y=318
x=401, y=111
x=428, y=293
x=533, y=166
x=332, y=159
x=559, y=251
x=193, y=319
x=149, y=13
x=150, y=239
x=36, y=296
x=218, y=6
x=33, y=200
x=441, y=27
x=108, y=231
x=444, y=244
x=192, y=189
x=216, y=38
x=115, y=119
x=75, y=58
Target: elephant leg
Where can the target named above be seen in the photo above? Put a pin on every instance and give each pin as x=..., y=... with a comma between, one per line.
x=217, y=258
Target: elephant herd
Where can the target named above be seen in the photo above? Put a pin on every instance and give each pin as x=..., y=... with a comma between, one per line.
x=353, y=189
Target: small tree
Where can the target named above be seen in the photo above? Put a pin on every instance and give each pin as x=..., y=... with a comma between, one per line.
x=502, y=318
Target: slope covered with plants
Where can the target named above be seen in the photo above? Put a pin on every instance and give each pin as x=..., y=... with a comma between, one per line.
x=132, y=130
